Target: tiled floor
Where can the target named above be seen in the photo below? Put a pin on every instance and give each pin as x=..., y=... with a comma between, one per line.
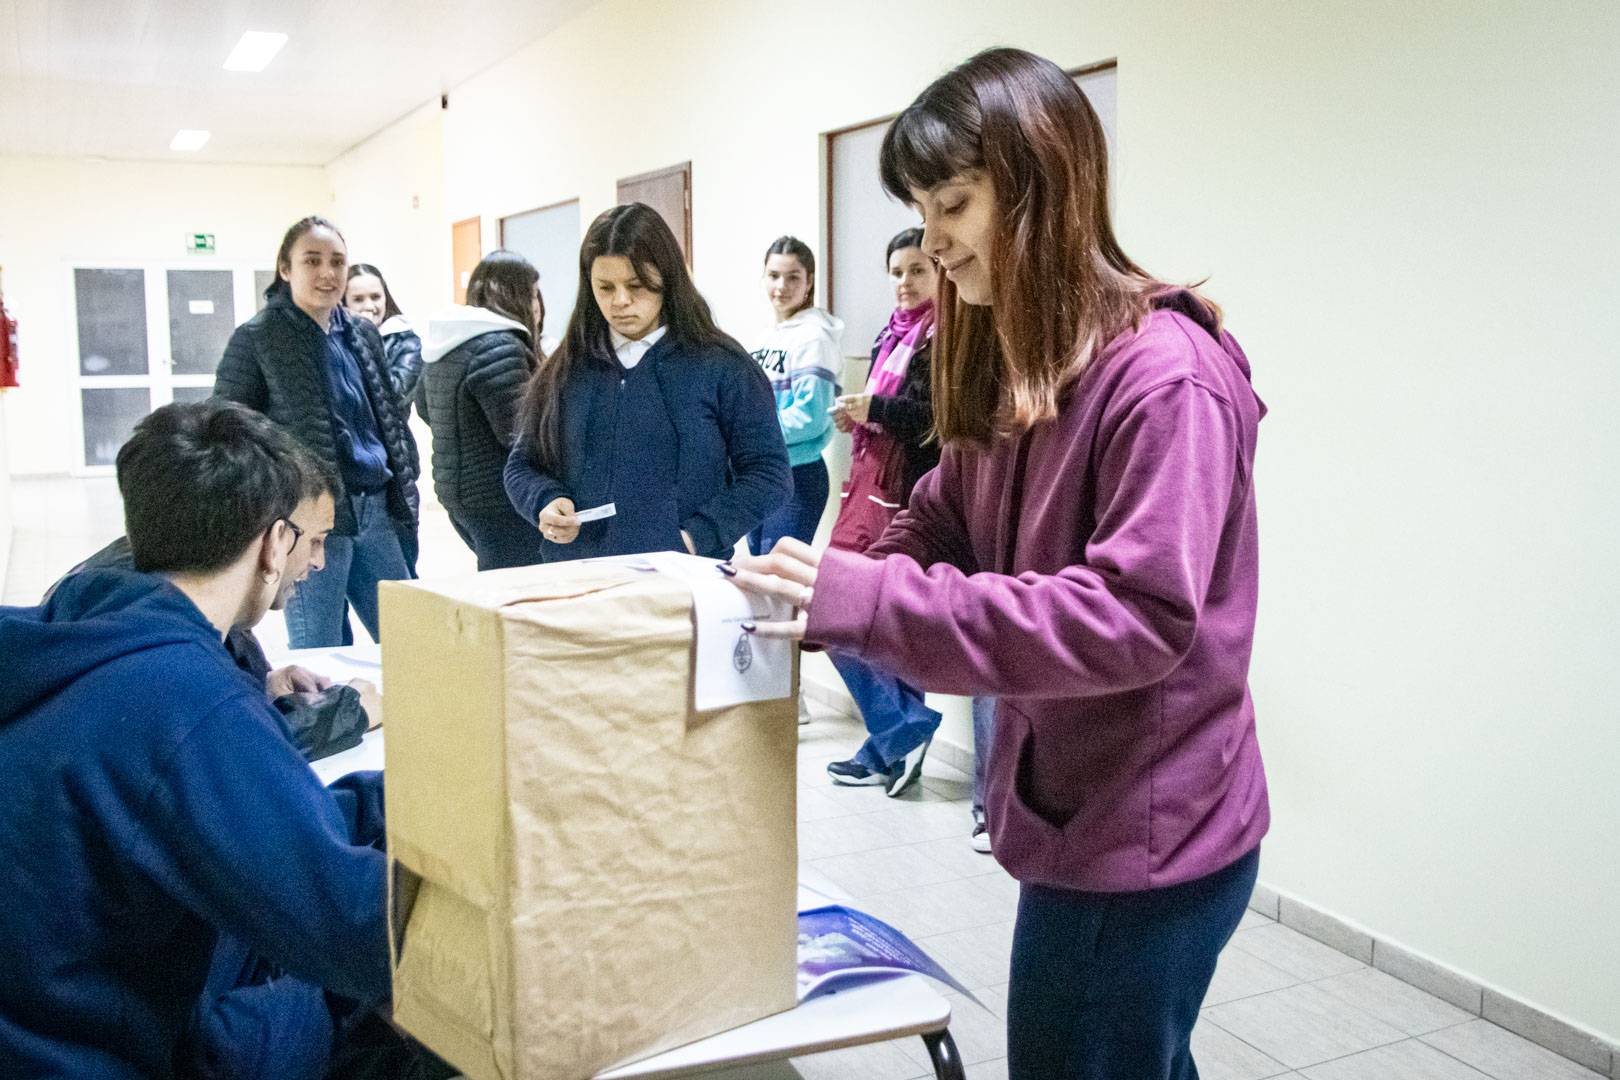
x=1281, y=1004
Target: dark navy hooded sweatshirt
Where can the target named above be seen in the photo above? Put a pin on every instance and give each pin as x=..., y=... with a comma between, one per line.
x=152, y=800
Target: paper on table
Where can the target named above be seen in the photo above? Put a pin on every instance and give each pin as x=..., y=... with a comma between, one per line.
x=732, y=667
x=368, y=755
x=597, y=513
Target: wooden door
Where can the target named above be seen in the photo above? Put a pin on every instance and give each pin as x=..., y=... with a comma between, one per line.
x=466, y=249
x=668, y=191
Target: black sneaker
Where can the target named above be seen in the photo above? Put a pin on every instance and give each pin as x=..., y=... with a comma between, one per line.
x=852, y=773
x=906, y=772
x=981, y=834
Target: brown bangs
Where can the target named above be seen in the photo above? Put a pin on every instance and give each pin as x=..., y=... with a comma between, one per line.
x=1062, y=287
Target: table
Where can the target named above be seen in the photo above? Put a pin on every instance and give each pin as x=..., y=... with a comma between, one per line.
x=894, y=1008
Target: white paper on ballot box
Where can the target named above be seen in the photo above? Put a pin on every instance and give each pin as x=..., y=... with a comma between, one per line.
x=732, y=667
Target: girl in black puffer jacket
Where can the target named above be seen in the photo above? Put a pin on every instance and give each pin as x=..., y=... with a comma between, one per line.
x=320, y=373
x=368, y=296
x=477, y=361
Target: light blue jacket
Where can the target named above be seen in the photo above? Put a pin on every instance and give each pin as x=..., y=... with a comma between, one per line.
x=803, y=358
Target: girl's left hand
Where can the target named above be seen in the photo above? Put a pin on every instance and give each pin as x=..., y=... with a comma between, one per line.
x=787, y=573
x=855, y=406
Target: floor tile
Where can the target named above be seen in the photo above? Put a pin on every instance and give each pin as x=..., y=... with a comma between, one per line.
x=1301, y=1026
x=1293, y=953
x=1388, y=999
x=955, y=852
x=925, y=822
x=978, y=957
x=1252, y=919
x=867, y=873
x=987, y=1070
x=941, y=908
x=842, y=835
x=979, y=1034
x=1239, y=975
x=1221, y=1055
x=1503, y=1055
x=1407, y=1060
x=815, y=805
x=877, y=1061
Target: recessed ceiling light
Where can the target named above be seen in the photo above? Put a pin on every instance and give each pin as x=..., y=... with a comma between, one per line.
x=187, y=139
x=254, y=51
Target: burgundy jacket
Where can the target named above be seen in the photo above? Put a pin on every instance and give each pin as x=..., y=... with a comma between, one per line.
x=1098, y=575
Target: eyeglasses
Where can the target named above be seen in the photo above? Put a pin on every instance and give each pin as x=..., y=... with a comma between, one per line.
x=298, y=534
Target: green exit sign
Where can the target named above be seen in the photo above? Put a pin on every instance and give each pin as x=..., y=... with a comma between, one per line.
x=200, y=243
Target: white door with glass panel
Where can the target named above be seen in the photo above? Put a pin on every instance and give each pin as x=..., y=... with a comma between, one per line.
x=147, y=335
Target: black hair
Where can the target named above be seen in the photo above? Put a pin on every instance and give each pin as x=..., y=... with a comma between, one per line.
x=284, y=252
x=905, y=238
x=792, y=245
x=639, y=233
x=202, y=481
x=504, y=282
x=390, y=308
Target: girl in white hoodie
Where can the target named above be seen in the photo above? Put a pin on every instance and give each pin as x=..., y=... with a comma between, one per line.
x=802, y=358
x=478, y=359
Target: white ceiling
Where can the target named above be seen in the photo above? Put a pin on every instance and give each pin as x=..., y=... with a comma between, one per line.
x=117, y=78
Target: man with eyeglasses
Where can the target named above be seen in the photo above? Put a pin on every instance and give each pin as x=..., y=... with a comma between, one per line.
x=155, y=804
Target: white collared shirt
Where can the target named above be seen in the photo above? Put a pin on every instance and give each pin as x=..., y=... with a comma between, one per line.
x=630, y=352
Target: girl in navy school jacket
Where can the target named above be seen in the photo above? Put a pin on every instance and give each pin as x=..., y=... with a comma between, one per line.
x=648, y=407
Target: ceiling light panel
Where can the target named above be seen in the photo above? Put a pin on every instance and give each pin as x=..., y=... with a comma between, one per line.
x=256, y=49
x=188, y=139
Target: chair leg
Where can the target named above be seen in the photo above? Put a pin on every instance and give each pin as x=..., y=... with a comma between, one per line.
x=942, y=1050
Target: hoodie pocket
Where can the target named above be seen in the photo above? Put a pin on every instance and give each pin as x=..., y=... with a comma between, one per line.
x=1023, y=840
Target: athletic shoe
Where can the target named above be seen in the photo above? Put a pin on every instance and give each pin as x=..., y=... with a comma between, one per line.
x=908, y=770
x=981, y=834
x=852, y=773
x=804, y=711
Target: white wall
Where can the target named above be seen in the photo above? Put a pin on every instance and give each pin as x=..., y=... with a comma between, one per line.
x=1408, y=214
x=58, y=211
x=6, y=515
x=389, y=201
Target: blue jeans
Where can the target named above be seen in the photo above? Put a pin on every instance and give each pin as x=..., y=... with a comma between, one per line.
x=984, y=725
x=1108, y=985
x=897, y=719
x=799, y=516
x=316, y=610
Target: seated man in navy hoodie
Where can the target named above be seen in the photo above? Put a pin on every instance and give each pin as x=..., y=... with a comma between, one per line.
x=154, y=800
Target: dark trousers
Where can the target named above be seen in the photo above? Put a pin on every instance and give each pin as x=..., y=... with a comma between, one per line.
x=1107, y=986
x=799, y=516
x=498, y=539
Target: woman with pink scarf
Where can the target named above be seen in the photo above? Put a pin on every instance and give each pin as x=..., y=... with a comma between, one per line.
x=891, y=423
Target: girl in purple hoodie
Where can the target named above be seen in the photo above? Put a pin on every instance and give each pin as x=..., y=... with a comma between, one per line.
x=1086, y=552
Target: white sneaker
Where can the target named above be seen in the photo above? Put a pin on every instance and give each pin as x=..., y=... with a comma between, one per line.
x=804, y=711
x=981, y=834
x=909, y=770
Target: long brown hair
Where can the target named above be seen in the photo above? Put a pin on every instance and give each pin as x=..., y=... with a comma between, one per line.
x=503, y=282
x=636, y=232
x=1062, y=287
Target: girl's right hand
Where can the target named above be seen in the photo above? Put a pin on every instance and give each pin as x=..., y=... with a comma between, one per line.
x=558, y=523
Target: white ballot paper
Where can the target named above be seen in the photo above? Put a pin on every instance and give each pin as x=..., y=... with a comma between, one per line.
x=596, y=513
x=732, y=667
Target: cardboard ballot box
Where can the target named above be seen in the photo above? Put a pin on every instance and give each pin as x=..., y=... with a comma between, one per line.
x=586, y=869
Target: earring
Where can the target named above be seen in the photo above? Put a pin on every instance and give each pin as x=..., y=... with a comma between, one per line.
x=272, y=576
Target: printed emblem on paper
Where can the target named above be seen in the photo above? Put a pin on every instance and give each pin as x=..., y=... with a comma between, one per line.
x=742, y=657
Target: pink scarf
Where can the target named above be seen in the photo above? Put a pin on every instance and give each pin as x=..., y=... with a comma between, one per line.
x=897, y=344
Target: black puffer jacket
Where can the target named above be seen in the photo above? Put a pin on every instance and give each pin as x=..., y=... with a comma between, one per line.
x=275, y=363
x=469, y=397
x=403, y=349
x=908, y=417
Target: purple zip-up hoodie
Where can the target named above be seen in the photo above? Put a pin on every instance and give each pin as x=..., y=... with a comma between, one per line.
x=1098, y=574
